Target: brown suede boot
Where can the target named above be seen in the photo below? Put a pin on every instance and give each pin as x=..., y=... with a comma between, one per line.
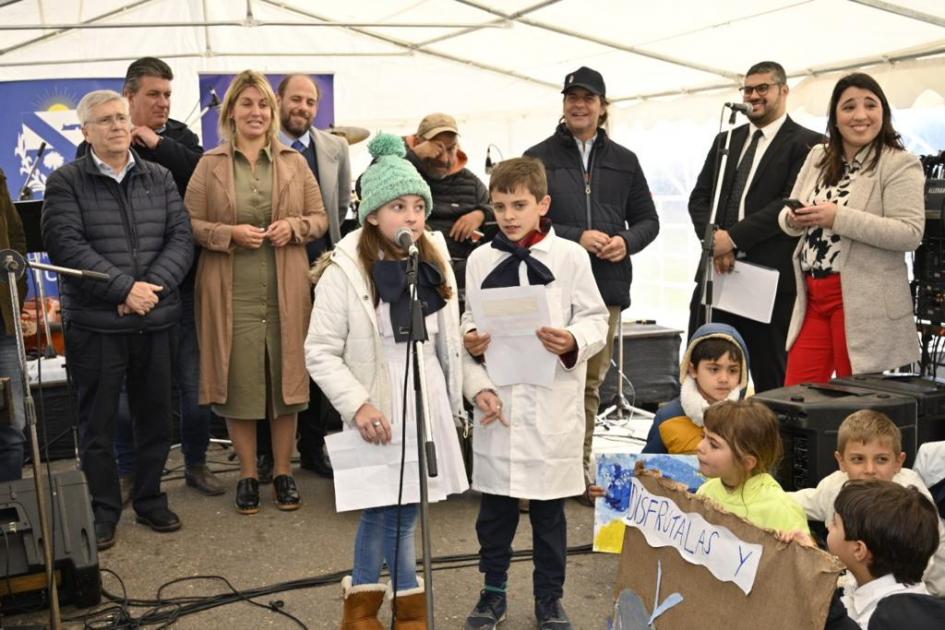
x=361, y=605
x=412, y=609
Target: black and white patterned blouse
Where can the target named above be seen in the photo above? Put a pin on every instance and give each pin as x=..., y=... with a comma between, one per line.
x=821, y=250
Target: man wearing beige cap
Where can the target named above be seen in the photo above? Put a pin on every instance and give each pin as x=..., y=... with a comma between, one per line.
x=460, y=199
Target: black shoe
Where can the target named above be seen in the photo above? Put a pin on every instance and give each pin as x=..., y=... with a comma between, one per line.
x=247, y=495
x=264, y=469
x=318, y=463
x=160, y=520
x=104, y=535
x=287, y=493
x=489, y=611
x=550, y=614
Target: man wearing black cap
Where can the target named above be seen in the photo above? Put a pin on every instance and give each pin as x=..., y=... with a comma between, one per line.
x=599, y=198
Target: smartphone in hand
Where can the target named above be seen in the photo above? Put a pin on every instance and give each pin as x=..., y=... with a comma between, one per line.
x=794, y=205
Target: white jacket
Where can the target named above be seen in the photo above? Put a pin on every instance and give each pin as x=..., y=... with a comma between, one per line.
x=343, y=351
x=818, y=503
x=539, y=456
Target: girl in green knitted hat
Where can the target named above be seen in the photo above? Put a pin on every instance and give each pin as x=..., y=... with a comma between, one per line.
x=357, y=352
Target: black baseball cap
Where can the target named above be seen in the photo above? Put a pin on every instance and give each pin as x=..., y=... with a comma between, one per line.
x=584, y=77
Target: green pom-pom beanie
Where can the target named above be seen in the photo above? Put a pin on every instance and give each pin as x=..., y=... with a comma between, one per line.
x=390, y=176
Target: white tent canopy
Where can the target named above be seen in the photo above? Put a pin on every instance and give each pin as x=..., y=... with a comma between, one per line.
x=395, y=60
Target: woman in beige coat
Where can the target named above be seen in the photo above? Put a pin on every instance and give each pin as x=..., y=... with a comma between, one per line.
x=254, y=203
x=860, y=210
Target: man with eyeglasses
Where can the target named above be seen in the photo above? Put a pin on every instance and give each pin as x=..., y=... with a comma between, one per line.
x=764, y=159
x=157, y=137
x=115, y=213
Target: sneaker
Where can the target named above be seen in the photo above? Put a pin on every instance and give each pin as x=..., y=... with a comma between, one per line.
x=489, y=611
x=550, y=614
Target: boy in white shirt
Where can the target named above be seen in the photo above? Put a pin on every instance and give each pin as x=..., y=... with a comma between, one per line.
x=885, y=534
x=869, y=446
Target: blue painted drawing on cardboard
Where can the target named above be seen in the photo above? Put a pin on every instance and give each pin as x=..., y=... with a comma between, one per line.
x=614, y=471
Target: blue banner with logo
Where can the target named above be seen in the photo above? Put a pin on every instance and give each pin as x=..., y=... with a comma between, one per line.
x=38, y=111
x=216, y=84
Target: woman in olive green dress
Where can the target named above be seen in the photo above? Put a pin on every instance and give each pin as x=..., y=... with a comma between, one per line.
x=254, y=204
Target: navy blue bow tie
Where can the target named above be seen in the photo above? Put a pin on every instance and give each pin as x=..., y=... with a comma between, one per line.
x=505, y=273
x=390, y=278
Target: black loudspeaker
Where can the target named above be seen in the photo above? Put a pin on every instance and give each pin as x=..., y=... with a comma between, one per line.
x=929, y=395
x=22, y=570
x=650, y=362
x=54, y=427
x=810, y=416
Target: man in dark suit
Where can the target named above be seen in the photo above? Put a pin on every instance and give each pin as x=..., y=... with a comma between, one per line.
x=764, y=159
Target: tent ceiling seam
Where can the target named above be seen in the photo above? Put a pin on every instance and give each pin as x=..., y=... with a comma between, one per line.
x=66, y=29
x=603, y=42
x=901, y=11
x=498, y=22
x=413, y=48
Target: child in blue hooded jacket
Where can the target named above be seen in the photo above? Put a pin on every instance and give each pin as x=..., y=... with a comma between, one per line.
x=714, y=368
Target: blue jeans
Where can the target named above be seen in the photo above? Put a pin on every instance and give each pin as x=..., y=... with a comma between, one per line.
x=375, y=542
x=194, y=418
x=11, y=436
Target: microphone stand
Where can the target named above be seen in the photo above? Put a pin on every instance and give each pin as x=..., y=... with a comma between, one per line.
x=14, y=264
x=49, y=351
x=214, y=102
x=426, y=449
x=27, y=192
x=706, y=287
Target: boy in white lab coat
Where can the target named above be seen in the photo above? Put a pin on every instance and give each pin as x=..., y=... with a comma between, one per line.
x=528, y=441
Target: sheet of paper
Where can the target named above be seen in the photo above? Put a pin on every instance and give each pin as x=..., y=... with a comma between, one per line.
x=511, y=315
x=749, y=290
x=369, y=477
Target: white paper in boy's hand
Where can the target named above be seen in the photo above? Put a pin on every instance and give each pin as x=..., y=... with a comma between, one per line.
x=512, y=315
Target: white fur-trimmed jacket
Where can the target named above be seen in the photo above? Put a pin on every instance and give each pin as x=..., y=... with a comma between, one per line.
x=343, y=351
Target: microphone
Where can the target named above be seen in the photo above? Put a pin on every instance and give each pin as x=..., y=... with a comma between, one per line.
x=739, y=107
x=214, y=99
x=404, y=238
x=27, y=192
x=489, y=165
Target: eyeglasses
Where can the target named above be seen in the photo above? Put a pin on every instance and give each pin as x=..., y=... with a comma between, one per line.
x=108, y=121
x=761, y=89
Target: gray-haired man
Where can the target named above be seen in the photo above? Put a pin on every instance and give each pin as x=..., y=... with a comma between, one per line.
x=113, y=212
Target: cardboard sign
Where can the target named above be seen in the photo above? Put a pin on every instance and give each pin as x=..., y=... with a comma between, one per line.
x=664, y=524
x=762, y=583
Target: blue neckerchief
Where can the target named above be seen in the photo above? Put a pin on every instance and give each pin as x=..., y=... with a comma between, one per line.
x=390, y=278
x=505, y=273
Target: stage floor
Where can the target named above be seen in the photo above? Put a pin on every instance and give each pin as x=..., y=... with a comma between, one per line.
x=273, y=547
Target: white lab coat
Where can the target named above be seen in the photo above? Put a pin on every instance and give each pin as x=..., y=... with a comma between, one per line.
x=539, y=456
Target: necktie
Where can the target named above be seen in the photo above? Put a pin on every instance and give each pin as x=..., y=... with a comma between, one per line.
x=505, y=273
x=390, y=278
x=741, y=182
x=298, y=146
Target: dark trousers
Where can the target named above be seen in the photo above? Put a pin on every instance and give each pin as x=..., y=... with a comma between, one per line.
x=767, y=357
x=313, y=426
x=194, y=418
x=98, y=364
x=496, y=525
